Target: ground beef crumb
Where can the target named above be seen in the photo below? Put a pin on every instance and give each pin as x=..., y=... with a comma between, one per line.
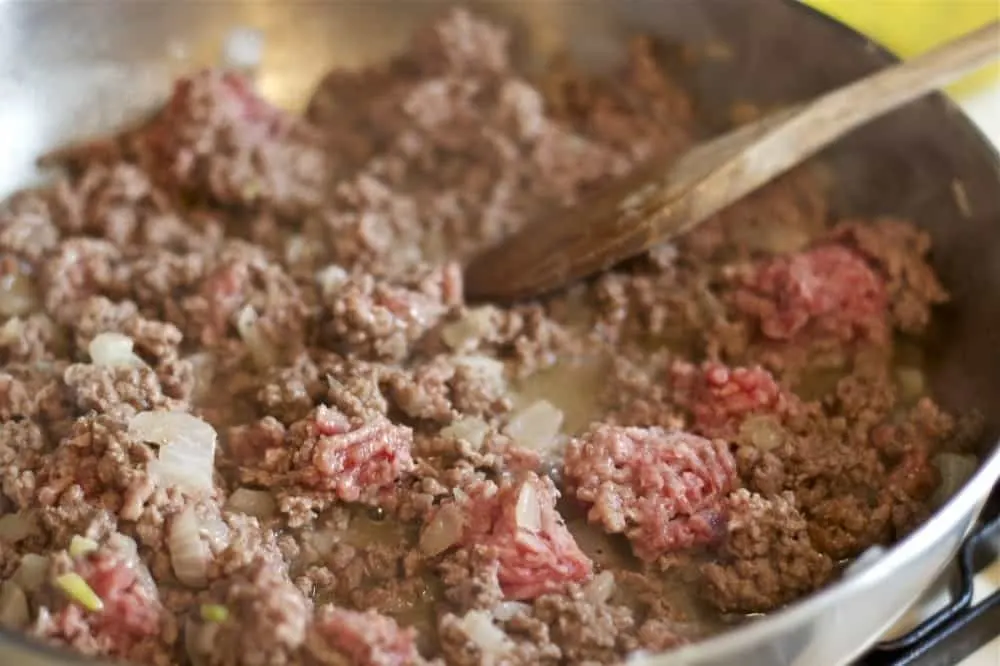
x=364, y=639
x=663, y=490
x=767, y=559
x=516, y=524
x=829, y=291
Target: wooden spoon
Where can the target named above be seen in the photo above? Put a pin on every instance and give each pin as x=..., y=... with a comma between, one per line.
x=659, y=201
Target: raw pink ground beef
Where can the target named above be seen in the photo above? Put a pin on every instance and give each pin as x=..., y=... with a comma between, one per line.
x=826, y=291
x=720, y=397
x=662, y=489
x=533, y=559
x=365, y=639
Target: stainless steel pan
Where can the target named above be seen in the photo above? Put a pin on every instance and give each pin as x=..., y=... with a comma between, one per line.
x=71, y=69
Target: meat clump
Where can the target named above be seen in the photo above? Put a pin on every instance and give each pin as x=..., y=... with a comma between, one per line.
x=663, y=489
x=516, y=525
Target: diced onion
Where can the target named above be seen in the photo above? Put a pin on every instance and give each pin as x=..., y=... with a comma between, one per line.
x=257, y=503
x=490, y=639
x=443, y=531
x=189, y=555
x=527, y=511
x=864, y=561
x=536, y=426
x=955, y=470
x=331, y=279
x=600, y=589
x=32, y=572
x=464, y=333
x=13, y=606
x=79, y=546
x=16, y=527
x=214, y=613
x=468, y=428
x=507, y=610
x=262, y=350
x=78, y=591
x=17, y=295
x=216, y=531
x=11, y=331
x=114, y=350
x=911, y=382
x=187, y=448
x=762, y=432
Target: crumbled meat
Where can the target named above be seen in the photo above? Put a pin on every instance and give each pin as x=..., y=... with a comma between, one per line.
x=720, y=398
x=356, y=453
x=664, y=490
x=216, y=138
x=827, y=291
x=767, y=559
x=365, y=639
x=516, y=524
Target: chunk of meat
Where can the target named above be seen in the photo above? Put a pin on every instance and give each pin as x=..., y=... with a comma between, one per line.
x=721, y=398
x=216, y=137
x=517, y=524
x=828, y=291
x=362, y=638
x=349, y=449
x=768, y=558
x=131, y=612
x=662, y=489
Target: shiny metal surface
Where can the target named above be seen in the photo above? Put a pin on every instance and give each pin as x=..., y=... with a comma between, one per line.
x=72, y=69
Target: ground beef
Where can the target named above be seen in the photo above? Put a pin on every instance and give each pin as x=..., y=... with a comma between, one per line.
x=662, y=489
x=376, y=496
x=517, y=525
x=350, y=450
x=826, y=291
x=217, y=138
x=721, y=398
x=767, y=558
x=365, y=639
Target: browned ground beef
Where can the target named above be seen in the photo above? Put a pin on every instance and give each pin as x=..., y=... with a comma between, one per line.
x=738, y=412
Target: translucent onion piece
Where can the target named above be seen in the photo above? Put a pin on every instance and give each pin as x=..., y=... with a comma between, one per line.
x=13, y=606
x=189, y=555
x=600, y=589
x=536, y=426
x=78, y=591
x=16, y=527
x=955, y=470
x=331, y=279
x=17, y=295
x=527, y=512
x=11, y=331
x=490, y=639
x=257, y=503
x=464, y=333
x=469, y=429
x=113, y=349
x=762, y=432
x=443, y=531
x=79, y=546
x=32, y=572
x=186, y=457
x=216, y=531
x=261, y=349
x=911, y=383
x=507, y=610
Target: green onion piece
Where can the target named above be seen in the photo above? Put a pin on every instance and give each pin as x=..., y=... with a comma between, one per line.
x=79, y=546
x=214, y=613
x=76, y=588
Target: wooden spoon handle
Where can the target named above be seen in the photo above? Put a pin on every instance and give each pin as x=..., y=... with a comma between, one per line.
x=649, y=207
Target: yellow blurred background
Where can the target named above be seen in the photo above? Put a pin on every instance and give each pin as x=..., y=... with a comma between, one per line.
x=909, y=27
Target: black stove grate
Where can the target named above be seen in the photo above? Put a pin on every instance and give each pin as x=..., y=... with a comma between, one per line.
x=958, y=630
